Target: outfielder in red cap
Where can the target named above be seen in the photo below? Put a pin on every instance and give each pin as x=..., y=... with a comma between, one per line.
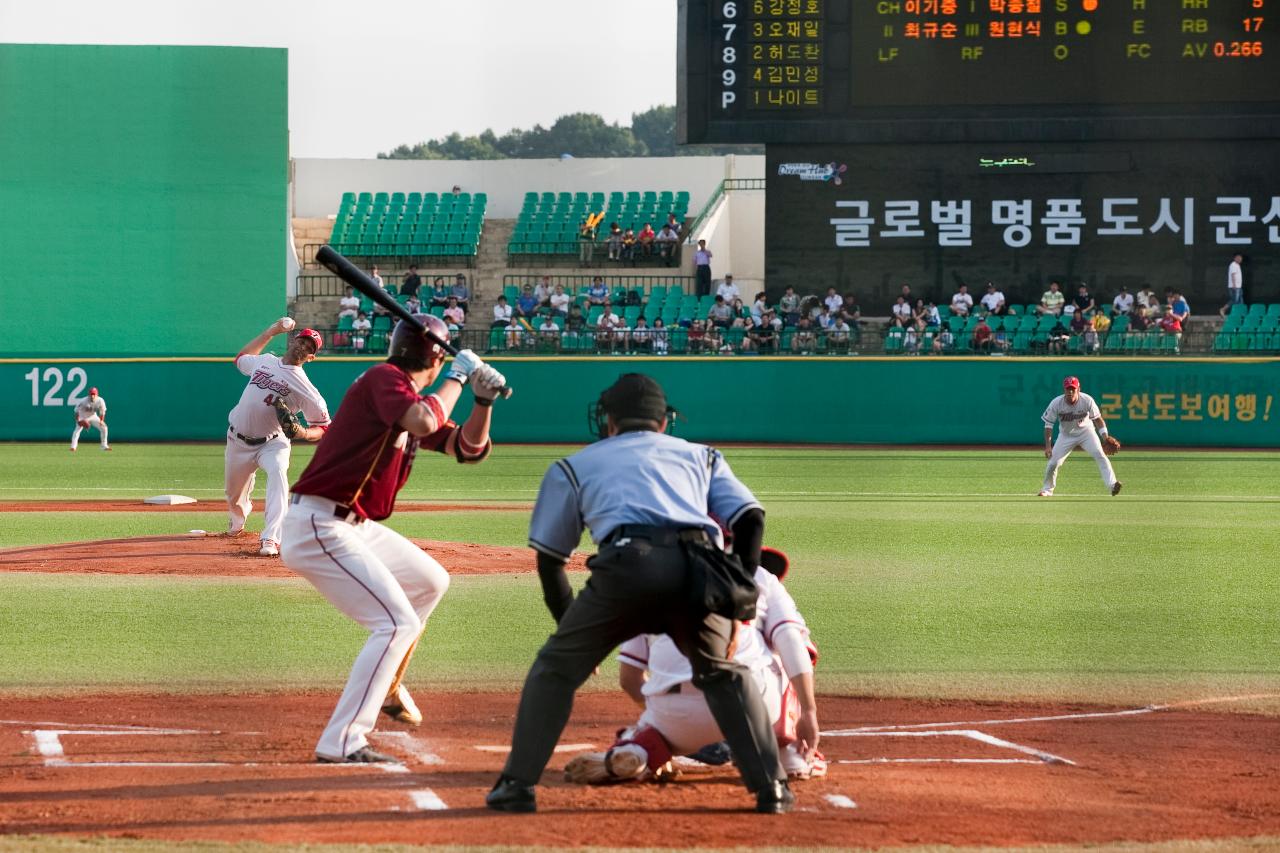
x=1071, y=382
x=1080, y=424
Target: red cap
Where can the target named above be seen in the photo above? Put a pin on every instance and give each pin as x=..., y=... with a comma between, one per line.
x=93, y=391
x=1071, y=382
x=313, y=336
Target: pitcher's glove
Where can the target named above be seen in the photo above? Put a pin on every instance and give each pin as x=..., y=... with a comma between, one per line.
x=289, y=424
x=1111, y=445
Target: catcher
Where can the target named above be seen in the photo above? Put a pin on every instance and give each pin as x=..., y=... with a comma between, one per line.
x=1080, y=424
x=776, y=649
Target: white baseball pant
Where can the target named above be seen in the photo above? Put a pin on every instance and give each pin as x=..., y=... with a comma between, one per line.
x=241, y=471
x=1086, y=438
x=378, y=578
x=685, y=721
x=94, y=422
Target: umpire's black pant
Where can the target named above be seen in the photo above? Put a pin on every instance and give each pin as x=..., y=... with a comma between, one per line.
x=640, y=588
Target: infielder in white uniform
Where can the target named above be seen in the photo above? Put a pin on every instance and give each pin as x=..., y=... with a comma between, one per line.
x=91, y=413
x=1080, y=424
x=254, y=437
x=777, y=650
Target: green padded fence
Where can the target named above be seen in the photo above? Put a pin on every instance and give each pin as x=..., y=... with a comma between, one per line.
x=1209, y=402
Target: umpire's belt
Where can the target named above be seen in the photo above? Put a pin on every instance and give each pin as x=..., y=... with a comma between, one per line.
x=324, y=506
x=252, y=442
x=660, y=536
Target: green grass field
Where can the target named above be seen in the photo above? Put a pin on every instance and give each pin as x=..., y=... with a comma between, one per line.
x=921, y=572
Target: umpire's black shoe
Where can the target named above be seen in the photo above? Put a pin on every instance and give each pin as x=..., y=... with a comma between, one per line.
x=775, y=799
x=510, y=795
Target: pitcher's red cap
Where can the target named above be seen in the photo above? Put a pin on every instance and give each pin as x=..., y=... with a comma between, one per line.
x=313, y=336
x=1070, y=382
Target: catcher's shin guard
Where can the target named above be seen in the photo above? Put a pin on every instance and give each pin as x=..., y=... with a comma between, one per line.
x=744, y=721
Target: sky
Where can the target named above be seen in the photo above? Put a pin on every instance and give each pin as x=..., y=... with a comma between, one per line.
x=368, y=75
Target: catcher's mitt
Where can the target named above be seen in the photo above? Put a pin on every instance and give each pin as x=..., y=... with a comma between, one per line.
x=289, y=424
x=1111, y=445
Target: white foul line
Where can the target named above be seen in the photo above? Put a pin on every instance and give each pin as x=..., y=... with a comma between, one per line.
x=938, y=761
x=427, y=800
x=972, y=734
x=840, y=801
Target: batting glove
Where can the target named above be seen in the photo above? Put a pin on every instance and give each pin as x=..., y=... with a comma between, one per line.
x=486, y=382
x=464, y=364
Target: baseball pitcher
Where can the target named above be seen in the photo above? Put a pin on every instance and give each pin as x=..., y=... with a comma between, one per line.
x=1080, y=424
x=264, y=422
x=91, y=413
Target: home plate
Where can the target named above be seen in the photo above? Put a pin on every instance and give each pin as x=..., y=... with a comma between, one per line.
x=169, y=500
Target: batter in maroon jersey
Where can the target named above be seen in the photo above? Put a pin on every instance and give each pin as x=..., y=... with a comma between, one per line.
x=332, y=535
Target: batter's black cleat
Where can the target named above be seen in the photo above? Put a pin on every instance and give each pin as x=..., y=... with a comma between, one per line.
x=363, y=755
x=510, y=795
x=775, y=799
x=1115, y=490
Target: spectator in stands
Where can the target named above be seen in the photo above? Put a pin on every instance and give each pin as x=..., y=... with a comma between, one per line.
x=728, y=289
x=667, y=240
x=1059, y=337
x=413, y=305
x=902, y=313
x=920, y=315
x=412, y=281
x=758, y=306
x=542, y=292
x=1051, y=300
x=720, y=314
x=993, y=300
x=661, y=340
x=360, y=327
x=762, y=337
x=518, y=334
x=1123, y=303
x=982, y=335
x=1140, y=318
x=597, y=292
x=1171, y=325
x=805, y=339
x=1181, y=308
x=457, y=190
x=961, y=301
x=911, y=341
x=439, y=293
x=377, y=279
x=501, y=314
x=549, y=333
x=526, y=304
x=1100, y=322
x=833, y=301
x=642, y=336
x=575, y=326
x=614, y=242
x=349, y=305
x=851, y=314
x=673, y=223
x=838, y=337
x=586, y=241
x=613, y=330
x=1079, y=322
x=1146, y=296
x=1235, y=284
x=789, y=305
x=906, y=293
x=559, y=301
x=944, y=341
x=702, y=269
x=645, y=240
x=741, y=316
x=1082, y=300
x=825, y=319
x=697, y=337
x=460, y=291
x=628, y=246
x=454, y=314
x=1000, y=341
x=932, y=316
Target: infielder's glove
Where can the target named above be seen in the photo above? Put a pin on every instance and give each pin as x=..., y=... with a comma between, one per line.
x=289, y=424
x=1111, y=445
x=82, y=424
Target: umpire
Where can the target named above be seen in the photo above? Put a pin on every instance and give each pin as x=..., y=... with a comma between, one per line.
x=647, y=498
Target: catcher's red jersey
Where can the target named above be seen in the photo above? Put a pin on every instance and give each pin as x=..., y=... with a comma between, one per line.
x=365, y=457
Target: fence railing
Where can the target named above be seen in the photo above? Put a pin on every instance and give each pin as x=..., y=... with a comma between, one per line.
x=329, y=286
x=728, y=185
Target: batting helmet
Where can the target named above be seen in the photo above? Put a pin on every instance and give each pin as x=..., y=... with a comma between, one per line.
x=634, y=402
x=414, y=348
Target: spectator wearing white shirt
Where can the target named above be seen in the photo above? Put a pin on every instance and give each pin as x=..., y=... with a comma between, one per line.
x=962, y=302
x=549, y=331
x=377, y=279
x=1123, y=303
x=542, y=292
x=833, y=301
x=360, y=327
x=825, y=319
x=728, y=290
x=349, y=306
x=758, y=307
x=642, y=336
x=560, y=301
x=993, y=300
x=666, y=241
x=501, y=313
x=902, y=313
x=1235, y=283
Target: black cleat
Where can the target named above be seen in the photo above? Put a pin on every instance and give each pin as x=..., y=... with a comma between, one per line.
x=713, y=754
x=1115, y=490
x=363, y=755
x=510, y=795
x=775, y=799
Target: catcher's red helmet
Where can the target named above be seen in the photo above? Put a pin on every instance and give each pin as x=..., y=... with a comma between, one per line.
x=413, y=346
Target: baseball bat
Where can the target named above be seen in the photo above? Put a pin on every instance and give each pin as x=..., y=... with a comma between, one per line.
x=360, y=280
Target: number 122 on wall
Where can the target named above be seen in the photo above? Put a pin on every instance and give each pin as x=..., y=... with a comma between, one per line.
x=76, y=380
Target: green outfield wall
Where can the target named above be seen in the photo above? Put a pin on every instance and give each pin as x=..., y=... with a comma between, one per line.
x=143, y=197
x=1204, y=402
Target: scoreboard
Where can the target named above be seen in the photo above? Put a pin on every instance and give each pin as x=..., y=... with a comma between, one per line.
x=815, y=71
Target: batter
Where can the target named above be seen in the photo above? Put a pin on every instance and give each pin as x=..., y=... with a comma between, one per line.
x=1079, y=425
x=91, y=413
x=254, y=437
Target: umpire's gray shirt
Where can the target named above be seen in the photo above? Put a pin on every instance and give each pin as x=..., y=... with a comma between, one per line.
x=640, y=477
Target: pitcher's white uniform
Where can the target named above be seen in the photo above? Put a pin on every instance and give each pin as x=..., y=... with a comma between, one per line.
x=775, y=648
x=254, y=439
x=91, y=412
x=1075, y=429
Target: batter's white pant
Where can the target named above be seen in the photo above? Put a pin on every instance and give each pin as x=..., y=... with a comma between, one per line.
x=242, y=464
x=94, y=422
x=1088, y=439
x=685, y=721
x=379, y=579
